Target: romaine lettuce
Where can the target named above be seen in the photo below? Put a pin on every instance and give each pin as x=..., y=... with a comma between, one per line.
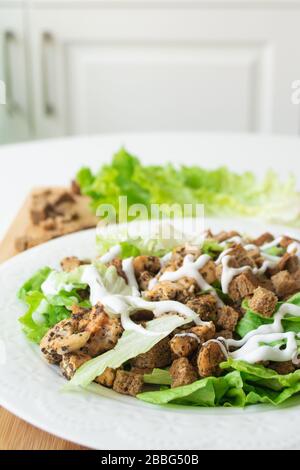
x=220, y=190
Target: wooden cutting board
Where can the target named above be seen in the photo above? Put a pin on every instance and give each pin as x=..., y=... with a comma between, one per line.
x=15, y=433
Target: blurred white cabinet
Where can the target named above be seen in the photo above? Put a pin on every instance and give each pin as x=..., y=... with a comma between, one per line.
x=102, y=66
x=15, y=122
x=138, y=69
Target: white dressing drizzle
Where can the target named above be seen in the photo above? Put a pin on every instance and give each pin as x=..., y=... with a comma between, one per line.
x=126, y=305
x=165, y=259
x=111, y=254
x=51, y=287
x=152, y=283
x=294, y=247
x=127, y=266
x=190, y=268
x=38, y=315
x=221, y=344
x=188, y=334
x=236, y=239
x=162, y=307
x=275, y=242
x=250, y=246
x=91, y=277
x=251, y=349
x=228, y=273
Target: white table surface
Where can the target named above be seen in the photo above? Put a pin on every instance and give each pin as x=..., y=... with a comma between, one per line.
x=56, y=161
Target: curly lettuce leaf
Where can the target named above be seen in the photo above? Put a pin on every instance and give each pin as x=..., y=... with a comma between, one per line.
x=153, y=243
x=34, y=283
x=220, y=190
x=158, y=377
x=263, y=385
x=211, y=391
x=252, y=320
x=45, y=309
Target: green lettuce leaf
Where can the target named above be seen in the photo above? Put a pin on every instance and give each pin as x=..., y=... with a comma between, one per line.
x=34, y=283
x=154, y=244
x=252, y=320
x=211, y=391
x=220, y=190
x=44, y=311
x=158, y=377
x=212, y=248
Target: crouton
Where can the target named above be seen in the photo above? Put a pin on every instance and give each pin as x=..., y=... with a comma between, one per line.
x=204, y=332
x=128, y=383
x=107, y=377
x=178, y=256
x=222, y=236
x=263, y=238
x=143, y=280
x=189, y=288
x=205, y=306
x=70, y=262
x=167, y=290
x=158, y=356
x=242, y=285
x=226, y=334
x=145, y=268
x=117, y=263
x=282, y=368
x=239, y=257
x=208, y=272
x=183, y=346
x=71, y=362
x=164, y=290
x=182, y=372
x=146, y=263
x=263, y=302
x=285, y=284
x=285, y=241
x=264, y=281
x=209, y=358
x=289, y=262
x=227, y=318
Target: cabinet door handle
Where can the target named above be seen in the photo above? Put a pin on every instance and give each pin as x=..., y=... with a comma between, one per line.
x=47, y=51
x=12, y=105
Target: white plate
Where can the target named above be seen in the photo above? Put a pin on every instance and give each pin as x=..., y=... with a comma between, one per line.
x=31, y=389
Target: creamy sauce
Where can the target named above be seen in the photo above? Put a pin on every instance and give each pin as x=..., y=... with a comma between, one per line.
x=236, y=239
x=221, y=344
x=127, y=266
x=221, y=255
x=275, y=242
x=228, y=273
x=111, y=254
x=51, y=287
x=165, y=259
x=253, y=351
x=190, y=335
x=250, y=348
x=162, y=307
x=294, y=247
x=38, y=315
x=92, y=278
x=250, y=246
x=190, y=268
x=126, y=305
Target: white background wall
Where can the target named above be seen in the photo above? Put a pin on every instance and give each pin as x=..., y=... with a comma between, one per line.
x=81, y=67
